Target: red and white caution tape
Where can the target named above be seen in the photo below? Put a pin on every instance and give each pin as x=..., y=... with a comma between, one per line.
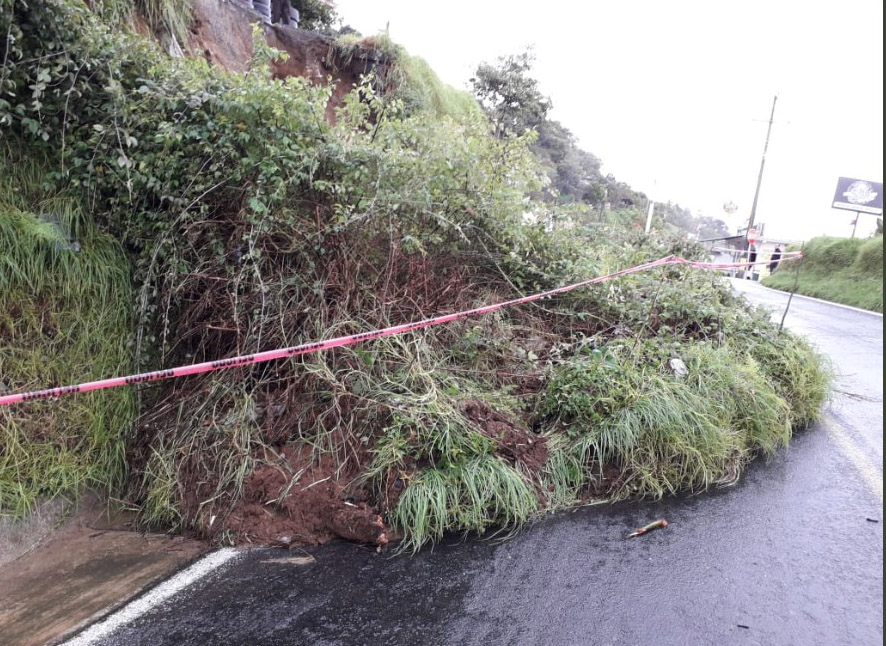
x=316, y=346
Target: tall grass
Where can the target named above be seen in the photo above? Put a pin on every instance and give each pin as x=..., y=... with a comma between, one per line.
x=661, y=432
x=469, y=495
x=65, y=315
x=410, y=79
x=841, y=270
x=170, y=16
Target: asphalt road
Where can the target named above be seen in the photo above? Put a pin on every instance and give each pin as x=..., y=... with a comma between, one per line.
x=793, y=554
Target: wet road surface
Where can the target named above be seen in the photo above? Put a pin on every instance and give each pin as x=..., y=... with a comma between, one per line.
x=790, y=555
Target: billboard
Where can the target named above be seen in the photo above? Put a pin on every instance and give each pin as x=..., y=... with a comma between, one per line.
x=859, y=195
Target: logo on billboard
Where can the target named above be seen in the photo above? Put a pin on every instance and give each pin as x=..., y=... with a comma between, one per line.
x=859, y=195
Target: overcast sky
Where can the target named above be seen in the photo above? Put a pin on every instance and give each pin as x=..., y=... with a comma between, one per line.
x=674, y=96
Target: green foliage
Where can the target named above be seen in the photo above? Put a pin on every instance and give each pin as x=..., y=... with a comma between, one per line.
x=404, y=80
x=869, y=260
x=574, y=174
x=229, y=217
x=166, y=18
x=421, y=89
x=842, y=270
x=831, y=254
x=510, y=95
x=470, y=495
x=662, y=433
x=65, y=318
x=514, y=104
x=315, y=15
x=798, y=373
x=676, y=217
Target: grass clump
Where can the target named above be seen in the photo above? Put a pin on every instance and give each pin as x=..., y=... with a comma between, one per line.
x=841, y=270
x=461, y=474
x=660, y=432
x=799, y=374
x=166, y=18
x=468, y=495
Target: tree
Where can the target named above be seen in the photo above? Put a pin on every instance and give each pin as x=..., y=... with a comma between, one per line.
x=315, y=15
x=574, y=173
x=509, y=95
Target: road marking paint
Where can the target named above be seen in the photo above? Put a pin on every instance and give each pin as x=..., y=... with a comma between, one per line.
x=153, y=598
x=818, y=300
x=872, y=476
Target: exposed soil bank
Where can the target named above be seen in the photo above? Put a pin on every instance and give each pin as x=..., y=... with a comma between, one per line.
x=295, y=499
x=297, y=502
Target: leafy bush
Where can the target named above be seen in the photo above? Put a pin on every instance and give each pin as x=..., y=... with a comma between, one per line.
x=869, y=260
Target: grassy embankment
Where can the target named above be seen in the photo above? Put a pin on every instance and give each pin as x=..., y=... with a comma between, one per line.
x=841, y=270
x=226, y=216
x=65, y=316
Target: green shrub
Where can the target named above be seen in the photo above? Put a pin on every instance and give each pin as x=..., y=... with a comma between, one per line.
x=869, y=261
x=831, y=254
x=664, y=433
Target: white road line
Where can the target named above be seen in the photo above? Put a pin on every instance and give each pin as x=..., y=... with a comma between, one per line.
x=871, y=475
x=153, y=598
x=817, y=300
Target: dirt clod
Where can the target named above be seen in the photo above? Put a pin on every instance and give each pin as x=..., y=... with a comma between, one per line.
x=298, y=501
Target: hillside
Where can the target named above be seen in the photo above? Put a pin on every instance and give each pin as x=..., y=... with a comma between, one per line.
x=840, y=270
x=158, y=211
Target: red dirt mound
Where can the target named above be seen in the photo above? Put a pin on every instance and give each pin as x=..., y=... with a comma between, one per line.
x=297, y=502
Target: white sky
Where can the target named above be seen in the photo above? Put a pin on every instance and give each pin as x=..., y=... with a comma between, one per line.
x=673, y=96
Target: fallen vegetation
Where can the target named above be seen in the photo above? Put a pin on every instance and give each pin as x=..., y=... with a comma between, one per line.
x=220, y=214
x=840, y=270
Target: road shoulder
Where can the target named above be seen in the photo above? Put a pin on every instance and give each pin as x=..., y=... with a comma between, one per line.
x=80, y=573
x=808, y=298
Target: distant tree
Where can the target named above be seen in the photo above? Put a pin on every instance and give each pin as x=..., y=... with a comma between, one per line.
x=709, y=228
x=315, y=15
x=510, y=95
x=703, y=226
x=347, y=30
x=511, y=98
x=574, y=173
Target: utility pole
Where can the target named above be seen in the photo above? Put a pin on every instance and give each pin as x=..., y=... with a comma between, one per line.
x=762, y=163
x=651, y=208
x=649, y=216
